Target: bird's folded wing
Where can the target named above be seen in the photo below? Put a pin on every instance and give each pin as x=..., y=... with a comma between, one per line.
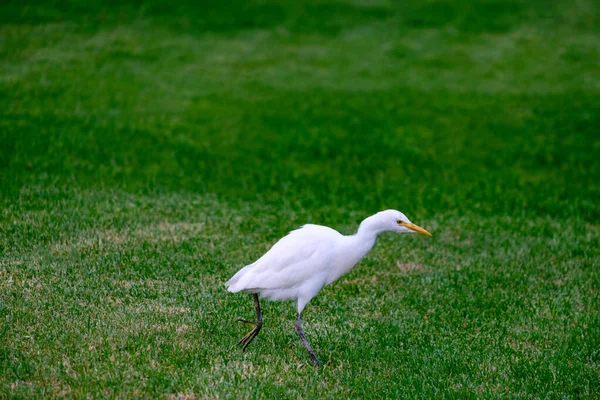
x=293, y=260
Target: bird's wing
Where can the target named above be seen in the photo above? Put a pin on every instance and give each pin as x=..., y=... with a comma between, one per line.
x=291, y=261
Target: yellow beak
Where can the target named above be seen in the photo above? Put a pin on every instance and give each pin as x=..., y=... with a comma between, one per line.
x=415, y=228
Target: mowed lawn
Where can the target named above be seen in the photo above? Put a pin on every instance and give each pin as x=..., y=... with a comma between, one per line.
x=148, y=150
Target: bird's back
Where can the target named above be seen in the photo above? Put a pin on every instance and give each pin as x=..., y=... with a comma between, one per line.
x=297, y=263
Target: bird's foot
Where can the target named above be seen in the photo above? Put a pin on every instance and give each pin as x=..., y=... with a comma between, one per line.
x=246, y=340
x=315, y=360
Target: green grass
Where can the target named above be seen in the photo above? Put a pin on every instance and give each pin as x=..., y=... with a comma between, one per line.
x=151, y=149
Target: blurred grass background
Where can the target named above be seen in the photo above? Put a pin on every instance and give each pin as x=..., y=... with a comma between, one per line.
x=149, y=149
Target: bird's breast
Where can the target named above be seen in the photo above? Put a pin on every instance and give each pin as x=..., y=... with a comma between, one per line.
x=347, y=255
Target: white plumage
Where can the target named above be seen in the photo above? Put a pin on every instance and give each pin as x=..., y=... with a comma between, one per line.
x=301, y=263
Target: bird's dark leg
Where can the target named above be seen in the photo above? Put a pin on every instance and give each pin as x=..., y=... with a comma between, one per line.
x=298, y=325
x=246, y=340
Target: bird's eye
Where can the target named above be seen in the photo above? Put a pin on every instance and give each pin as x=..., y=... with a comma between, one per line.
x=400, y=222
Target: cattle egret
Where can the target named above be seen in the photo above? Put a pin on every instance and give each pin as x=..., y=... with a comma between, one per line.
x=301, y=263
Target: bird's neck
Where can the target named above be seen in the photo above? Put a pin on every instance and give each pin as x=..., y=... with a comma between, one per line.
x=367, y=234
x=370, y=228
x=357, y=246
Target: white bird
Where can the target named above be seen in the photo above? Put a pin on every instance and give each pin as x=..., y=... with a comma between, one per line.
x=300, y=264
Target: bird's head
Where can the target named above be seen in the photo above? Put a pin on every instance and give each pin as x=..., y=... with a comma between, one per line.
x=395, y=221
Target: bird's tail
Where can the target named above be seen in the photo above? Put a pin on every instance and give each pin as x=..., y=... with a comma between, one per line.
x=234, y=285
